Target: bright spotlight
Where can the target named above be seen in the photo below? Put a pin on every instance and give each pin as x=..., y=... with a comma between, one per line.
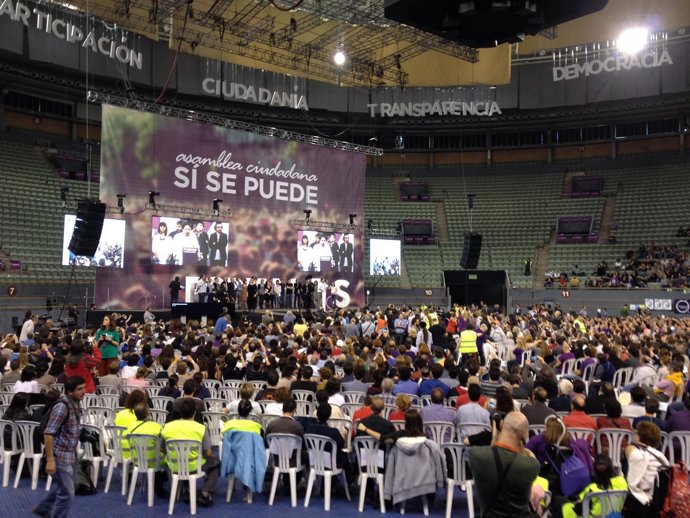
x=339, y=58
x=632, y=41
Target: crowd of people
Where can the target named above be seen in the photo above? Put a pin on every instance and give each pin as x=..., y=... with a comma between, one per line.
x=486, y=374
x=666, y=266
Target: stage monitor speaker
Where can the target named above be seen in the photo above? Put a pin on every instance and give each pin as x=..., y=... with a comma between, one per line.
x=87, y=228
x=470, y=250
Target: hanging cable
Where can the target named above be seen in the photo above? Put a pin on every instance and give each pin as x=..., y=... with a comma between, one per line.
x=173, y=67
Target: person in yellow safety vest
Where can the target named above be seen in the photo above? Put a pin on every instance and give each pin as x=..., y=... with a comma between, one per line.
x=144, y=425
x=580, y=325
x=187, y=428
x=468, y=342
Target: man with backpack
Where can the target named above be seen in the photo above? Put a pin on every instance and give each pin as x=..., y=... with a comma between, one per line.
x=62, y=425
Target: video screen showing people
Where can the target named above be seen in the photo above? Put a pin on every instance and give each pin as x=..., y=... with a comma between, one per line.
x=384, y=257
x=323, y=251
x=186, y=241
x=110, y=252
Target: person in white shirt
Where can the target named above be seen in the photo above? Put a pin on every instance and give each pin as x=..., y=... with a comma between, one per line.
x=28, y=327
x=186, y=241
x=644, y=462
x=200, y=289
x=27, y=381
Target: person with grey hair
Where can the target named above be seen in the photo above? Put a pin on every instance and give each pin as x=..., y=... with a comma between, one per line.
x=503, y=472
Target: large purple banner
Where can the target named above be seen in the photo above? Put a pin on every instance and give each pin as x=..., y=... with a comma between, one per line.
x=265, y=183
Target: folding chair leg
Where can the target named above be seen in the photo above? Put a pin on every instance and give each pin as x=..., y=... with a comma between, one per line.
x=20, y=467
x=402, y=507
x=150, y=478
x=192, y=495
x=5, y=471
x=173, y=493
x=425, y=505
x=36, y=461
x=274, y=486
x=379, y=481
x=327, y=491
x=133, y=485
x=362, y=490
x=470, y=498
x=111, y=468
x=449, y=498
x=310, y=486
x=231, y=486
x=125, y=477
x=347, y=489
x=293, y=487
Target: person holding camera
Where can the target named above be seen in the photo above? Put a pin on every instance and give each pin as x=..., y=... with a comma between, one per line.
x=108, y=340
x=61, y=439
x=504, y=472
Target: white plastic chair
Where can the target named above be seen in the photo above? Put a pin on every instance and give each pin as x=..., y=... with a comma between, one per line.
x=258, y=385
x=284, y=447
x=322, y=463
x=681, y=441
x=588, y=374
x=303, y=395
x=369, y=455
x=103, y=390
x=349, y=409
x=88, y=452
x=467, y=429
x=343, y=425
x=7, y=451
x=140, y=446
x=178, y=456
x=536, y=429
x=212, y=384
x=98, y=415
x=610, y=502
x=456, y=455
x=440, y=431
x=109, y=400
x=116, y=454
x=214, y=424
x=25, y=440
x=268, y=419
x=214, y=404
x=160, y=416
x=583, y=433
x=89, y=400
x=304, y=408
x=615, y=438
x=161, y=402
x=622, y=377
x=229, y=393
x=354, y=397
x=568, y=367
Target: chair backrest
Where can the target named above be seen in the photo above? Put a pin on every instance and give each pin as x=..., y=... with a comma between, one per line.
x=354, y=397
x=588, y=373
x=259, y=385
x=583, y=433
x=109, y=400
x=536, y=429
x=214, y=424
x=214, y=384
x=214, y=404
x=145, y=450
x=304, y=408
x=60, y=387
x=621, y=377
x=162, y=402
x=267, y=419
x=456, y=456
x=90, y=400
x=610, y=501
x=321, y=460
x=12, y=445
x=349, y=409
x=98, y=415
x=452, y=401
x=152, y=391
x=369, y=455
x=467, y=429
x=284, y=446
x=235, y=384
x=680, y=442
x=87, y=447
x=425, y=400
x=183, y=457
x=568, y=366
x=114, y=440
x=614, y=438
x=440, y=432
x=160, y=416
x=25, y=436
x=229, y=393
x=108, y=389
x=303, y=395
x=342, y=423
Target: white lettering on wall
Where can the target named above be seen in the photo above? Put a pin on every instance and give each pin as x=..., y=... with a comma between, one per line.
x=248, y=93
x=611, y=64
x=457, y=108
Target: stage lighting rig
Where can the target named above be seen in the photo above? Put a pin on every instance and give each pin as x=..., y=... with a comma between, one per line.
x=216, y=207
x=120, y=203
x=307, y=216
x=152, y=200
x=352, y=219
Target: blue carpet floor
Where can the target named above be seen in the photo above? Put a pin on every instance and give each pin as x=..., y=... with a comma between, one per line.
x=17, y=503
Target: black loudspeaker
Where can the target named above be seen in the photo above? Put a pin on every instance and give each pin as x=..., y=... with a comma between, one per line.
x=470, y=250
x=87, y=228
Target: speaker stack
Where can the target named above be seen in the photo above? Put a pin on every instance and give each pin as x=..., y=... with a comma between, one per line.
x=471, y=248
x=87, y=228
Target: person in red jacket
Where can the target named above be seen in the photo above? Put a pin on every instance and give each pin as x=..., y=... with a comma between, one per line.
x=79, y=363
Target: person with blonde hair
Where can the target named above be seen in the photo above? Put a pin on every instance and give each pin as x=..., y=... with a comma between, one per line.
x=403, y=402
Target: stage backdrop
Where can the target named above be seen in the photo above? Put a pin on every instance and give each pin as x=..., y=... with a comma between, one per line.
x=265, y=182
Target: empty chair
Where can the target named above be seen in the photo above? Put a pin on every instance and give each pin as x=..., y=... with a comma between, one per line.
x=98, y=415
x=322, y=462
x=93, y=450
x=146, y=458
x=109, y=400
x=370, y=459
x=8, y=448
x=116, y=456
x=108, y=390
x=456, y=456
x=678, y=447
x=285, y=450
x=184, y=460
x=30, y=451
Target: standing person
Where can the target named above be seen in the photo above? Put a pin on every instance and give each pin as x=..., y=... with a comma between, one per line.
x=345, y=253
x=218, y=246
x=175, y=288
x=335, y=252
x=61, y=439
x=200, y=290
x=28, y=327
x=202, y=237
x=108, y=340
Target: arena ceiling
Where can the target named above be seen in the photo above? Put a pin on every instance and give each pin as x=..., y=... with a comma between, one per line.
x=267, y=34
